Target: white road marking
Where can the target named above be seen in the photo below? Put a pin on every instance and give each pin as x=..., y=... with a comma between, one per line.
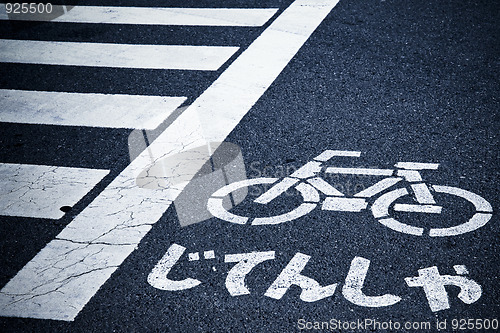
x=402, y=227
x=360, y=171
x=354, y=283
x=276, y=190
x=380, y=208
x=158, y=276
x=193, y=256
x=378, y=187
x=344, y=204
x=312, y=291
x=410, y=175
x=94, y=110
x=324, y=187
x=328, y=154
x=209, y=254
x=216, y=208
x=460, y=269
x=123, y=213
x=477, y=221
x=235, y=280
x=300, y=211
x=245, y=17
x=41, y=190
x=417, y=166
x=411, y=208
x=310, y=169
x=186, y=57
x=479, y=202
x=222, y=192
x=434, y=287
x=422, y=193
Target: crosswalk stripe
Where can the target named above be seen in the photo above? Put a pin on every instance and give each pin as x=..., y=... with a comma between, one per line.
x=184, y=57
x=40, y=190
x=245, y=17
x=116, y=221
x=77, y=109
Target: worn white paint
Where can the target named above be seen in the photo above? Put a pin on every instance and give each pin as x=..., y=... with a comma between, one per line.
x=210, y=254
x=94, y=110
x=41, y=190
x=354, y=283
x=417, y=166
x=434, y=284
x=401, y=227
x=410, y=175
x=378, y=187
x=411, y=208
x=235, y=280
x=130, y=210
x=360, y=171
x=245, y=17
x=324, y=187
x=312, y=291
x=328, y=154
x=186, y=57
x=276, y=190
x=59, y=274
x=158, y=276
x=222, y=192
x=344, y=204
x=380, y=208
x=194, y=256
x=422, y=193
x=460, y=269
x=216, y=208
x=310, y=169
x=300, y=211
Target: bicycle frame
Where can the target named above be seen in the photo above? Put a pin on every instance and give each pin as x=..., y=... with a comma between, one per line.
x=337, y=201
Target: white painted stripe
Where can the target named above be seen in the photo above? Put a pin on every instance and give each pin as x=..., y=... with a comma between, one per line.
x=417, y=166
x=401, y=227
x=430, y=209
x=40, y=190
x=115, y=55
x=246, y=17
x=328, y=154
x=378, y=187
x=130, y=211
x=353, y=285
x=380, y=208
x=324, y=187
x=360, y=171
x=479, y=202
x=216, y=207
x=276, y=190
x=95, y=110
x=226, y=190
x=291, y=275
x=344, y=204
x=423, y=194
x=300, y=211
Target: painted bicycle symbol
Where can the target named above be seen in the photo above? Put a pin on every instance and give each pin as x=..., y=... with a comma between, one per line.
x=307, y=182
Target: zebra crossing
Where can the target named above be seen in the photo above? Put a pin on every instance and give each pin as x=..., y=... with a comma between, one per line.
x=87, y=252
x=107, y=110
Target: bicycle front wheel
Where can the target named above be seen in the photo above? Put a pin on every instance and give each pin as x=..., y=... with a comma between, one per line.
x=310, y=197
x=380, y=210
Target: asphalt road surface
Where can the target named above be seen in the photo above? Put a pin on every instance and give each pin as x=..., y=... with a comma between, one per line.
x=109, y=220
